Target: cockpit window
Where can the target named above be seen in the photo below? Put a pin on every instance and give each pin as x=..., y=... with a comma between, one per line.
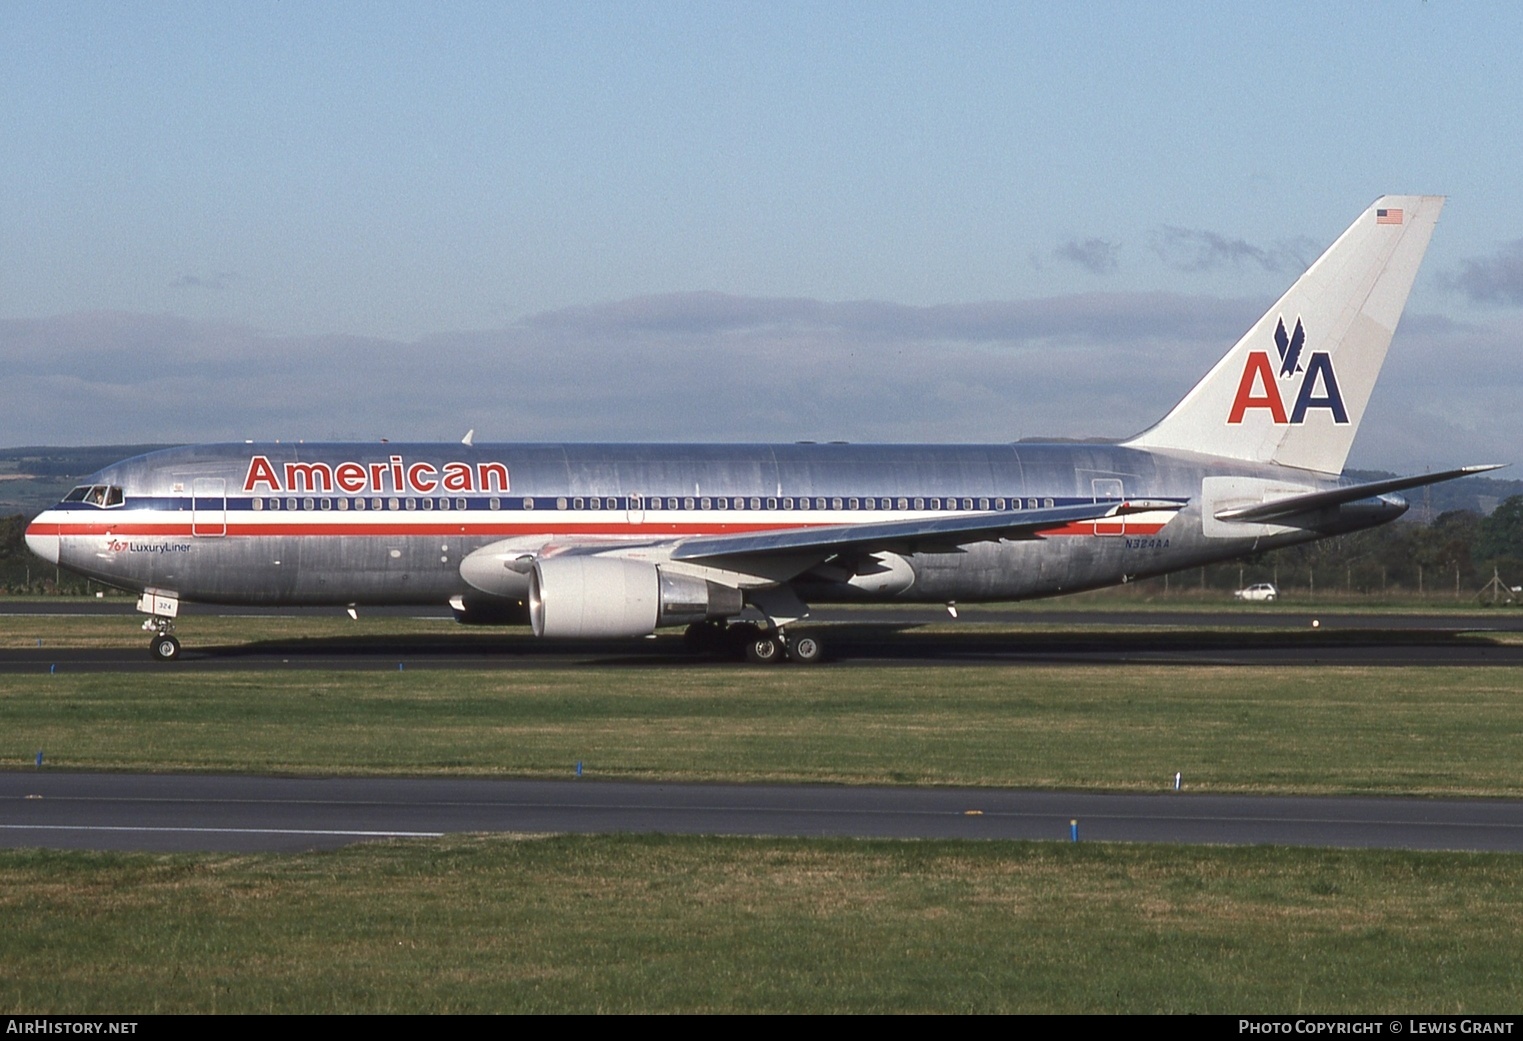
x=103, y=495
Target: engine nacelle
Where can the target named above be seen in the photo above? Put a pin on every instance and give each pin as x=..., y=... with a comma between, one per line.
x=583, y=596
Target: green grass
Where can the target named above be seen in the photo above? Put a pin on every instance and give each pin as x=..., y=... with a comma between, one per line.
x=622, y=924
x=627, y=923
x=1430, y=731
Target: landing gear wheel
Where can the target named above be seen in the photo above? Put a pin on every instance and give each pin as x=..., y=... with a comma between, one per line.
x=165, y=647
x=764, y=650
x=806, y=650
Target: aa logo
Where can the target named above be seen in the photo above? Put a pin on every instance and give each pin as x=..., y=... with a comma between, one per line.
x=1259, y=387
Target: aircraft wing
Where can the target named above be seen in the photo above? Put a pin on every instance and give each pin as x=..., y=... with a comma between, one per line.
x=1290, y=505
x=909, y=535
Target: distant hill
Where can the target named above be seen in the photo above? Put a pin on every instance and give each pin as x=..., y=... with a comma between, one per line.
x=34, y=478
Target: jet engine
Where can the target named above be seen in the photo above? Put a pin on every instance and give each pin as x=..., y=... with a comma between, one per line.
x=581, y=596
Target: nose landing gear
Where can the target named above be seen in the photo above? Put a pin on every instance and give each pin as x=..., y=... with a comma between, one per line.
x=161, y=609
x=164, y=647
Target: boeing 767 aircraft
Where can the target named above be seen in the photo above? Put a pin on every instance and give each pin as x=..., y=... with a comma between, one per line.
x=734, y=540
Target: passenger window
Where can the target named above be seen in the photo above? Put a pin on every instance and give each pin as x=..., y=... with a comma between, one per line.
x=309, y=504
x=756, y=504
x=706, y=503
x=578, y=503
x=983, y=504
x=560, y=503
x=460, y=504
x=788, y=504
x=328, y=504
x=290, y=504
x=835, y=504
x=687, y=504
x=257, y=504
x=343, y=505
x=852, y=504
x=1047, y=503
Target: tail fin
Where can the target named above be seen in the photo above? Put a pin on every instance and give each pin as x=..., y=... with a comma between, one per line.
x=1294, y=388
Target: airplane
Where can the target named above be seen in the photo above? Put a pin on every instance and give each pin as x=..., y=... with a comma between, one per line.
x=734, y=541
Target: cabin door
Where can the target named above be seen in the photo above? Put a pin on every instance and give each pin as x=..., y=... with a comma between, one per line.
x=208, y=507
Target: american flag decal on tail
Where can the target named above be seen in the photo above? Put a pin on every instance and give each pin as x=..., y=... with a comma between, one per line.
x=1388, y=216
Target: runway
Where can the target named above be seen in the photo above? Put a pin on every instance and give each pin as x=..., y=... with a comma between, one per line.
x=191, y=812
x=853, y=637
x=178, y=812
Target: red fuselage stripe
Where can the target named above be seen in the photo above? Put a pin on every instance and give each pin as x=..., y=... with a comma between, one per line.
x=307, y=530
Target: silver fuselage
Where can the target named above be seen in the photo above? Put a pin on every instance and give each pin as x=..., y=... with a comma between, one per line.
x=391, y=523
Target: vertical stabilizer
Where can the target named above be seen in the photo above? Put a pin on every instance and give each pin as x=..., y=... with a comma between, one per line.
x=1294, y=388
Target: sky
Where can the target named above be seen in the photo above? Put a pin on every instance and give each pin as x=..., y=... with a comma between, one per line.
x=718, y=221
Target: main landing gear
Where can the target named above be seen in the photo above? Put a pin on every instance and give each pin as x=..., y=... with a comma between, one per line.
x=757, y=645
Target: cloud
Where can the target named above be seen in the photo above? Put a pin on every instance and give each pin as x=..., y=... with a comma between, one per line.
x=1189, y=249
x=1497, y=279
x=1097, y=256
x=713, y=367
x=218, y=281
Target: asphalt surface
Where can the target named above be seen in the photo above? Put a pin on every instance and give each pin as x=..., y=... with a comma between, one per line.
x=858, y=637
x=184, y=812
x=178, y=812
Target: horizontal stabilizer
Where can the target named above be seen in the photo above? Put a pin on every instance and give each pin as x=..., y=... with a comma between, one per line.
x=1291, y=505
x=910, y=535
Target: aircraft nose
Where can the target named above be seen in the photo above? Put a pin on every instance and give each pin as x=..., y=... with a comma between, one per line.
x=42, y=539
